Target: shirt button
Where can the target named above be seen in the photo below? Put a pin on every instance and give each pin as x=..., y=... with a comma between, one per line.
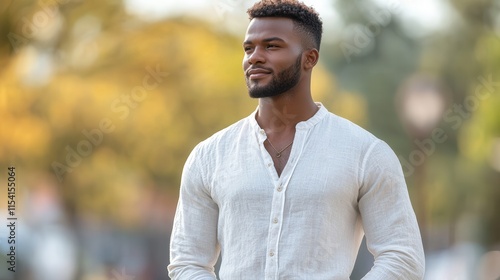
x=263, y=132
x=279, y=189
x=275, y=220
x=271, y=254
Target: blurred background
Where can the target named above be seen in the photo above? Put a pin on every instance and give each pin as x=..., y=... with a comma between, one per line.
x=102, y=101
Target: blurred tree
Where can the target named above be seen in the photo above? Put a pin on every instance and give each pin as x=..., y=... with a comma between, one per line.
x=110, y=104
x=371, y=57
x=466, y=57
x=374, y=55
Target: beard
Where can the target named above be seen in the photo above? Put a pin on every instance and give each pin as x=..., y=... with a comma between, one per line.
x=282, y=82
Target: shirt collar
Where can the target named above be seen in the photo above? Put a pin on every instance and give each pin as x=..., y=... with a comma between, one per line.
x=316, y=118
x=303, y=125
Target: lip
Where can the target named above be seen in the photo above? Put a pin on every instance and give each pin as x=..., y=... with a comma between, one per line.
x=257, y=76
x=257, y=73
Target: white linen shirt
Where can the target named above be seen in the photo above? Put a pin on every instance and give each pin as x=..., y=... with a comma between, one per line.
x=339, y=183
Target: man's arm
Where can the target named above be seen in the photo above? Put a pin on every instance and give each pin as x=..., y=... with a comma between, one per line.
x=193, y=246
x=389, y=222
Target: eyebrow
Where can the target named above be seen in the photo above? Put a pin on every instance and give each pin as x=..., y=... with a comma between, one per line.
x=265, y=40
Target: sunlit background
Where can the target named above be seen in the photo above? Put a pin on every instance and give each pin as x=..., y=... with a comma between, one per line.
x=102, y=101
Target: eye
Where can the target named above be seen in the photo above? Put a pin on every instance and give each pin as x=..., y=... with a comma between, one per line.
x=271, y=46
x=247, y=49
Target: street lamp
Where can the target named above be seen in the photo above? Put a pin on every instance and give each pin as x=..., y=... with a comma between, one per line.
x=421, y=101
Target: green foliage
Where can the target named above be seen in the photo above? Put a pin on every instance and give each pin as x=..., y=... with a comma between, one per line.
x=121, y=103
x=148, y=92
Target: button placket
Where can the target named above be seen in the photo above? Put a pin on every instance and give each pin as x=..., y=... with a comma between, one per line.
x=274, y=229
x=277, y=207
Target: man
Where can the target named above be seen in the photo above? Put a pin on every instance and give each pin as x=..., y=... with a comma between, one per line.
x=288, y=192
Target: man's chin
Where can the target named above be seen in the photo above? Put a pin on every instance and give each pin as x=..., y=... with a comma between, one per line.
x=261, y=93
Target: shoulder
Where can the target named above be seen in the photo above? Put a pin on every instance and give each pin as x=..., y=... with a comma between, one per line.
x=348, y=132
x=221, y=139
x=227, y=134
x=372, y=152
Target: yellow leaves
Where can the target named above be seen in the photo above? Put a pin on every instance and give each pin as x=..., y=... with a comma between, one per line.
x=477, y=140
x=351, y=106
x=348, y=105
x=106, y=185
x=196, y=86
x=24, y=137
x=495, y=155
x=218, y=63
x=323, y=84
x=487, y=51
x=473, y=143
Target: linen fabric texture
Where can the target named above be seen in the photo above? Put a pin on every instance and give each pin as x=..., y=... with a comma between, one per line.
x=340, y=183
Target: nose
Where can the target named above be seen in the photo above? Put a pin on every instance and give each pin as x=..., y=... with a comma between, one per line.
x=256, y=56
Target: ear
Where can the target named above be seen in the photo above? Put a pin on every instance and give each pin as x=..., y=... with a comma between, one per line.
x=311, y=58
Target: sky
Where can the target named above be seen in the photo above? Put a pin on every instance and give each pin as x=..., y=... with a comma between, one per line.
x=428, y=15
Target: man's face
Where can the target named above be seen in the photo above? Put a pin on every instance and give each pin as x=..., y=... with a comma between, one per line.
x=273, y=57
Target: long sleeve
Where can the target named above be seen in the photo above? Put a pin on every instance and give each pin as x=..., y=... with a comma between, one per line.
x=339, y=184
x=388, y=218
x=193, y=247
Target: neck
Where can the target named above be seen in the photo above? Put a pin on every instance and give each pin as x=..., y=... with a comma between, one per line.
x=280, y=114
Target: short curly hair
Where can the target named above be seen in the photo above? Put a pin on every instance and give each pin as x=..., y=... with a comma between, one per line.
x=305, y=18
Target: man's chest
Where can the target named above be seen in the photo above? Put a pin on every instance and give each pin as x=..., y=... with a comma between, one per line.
x=314, y=178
